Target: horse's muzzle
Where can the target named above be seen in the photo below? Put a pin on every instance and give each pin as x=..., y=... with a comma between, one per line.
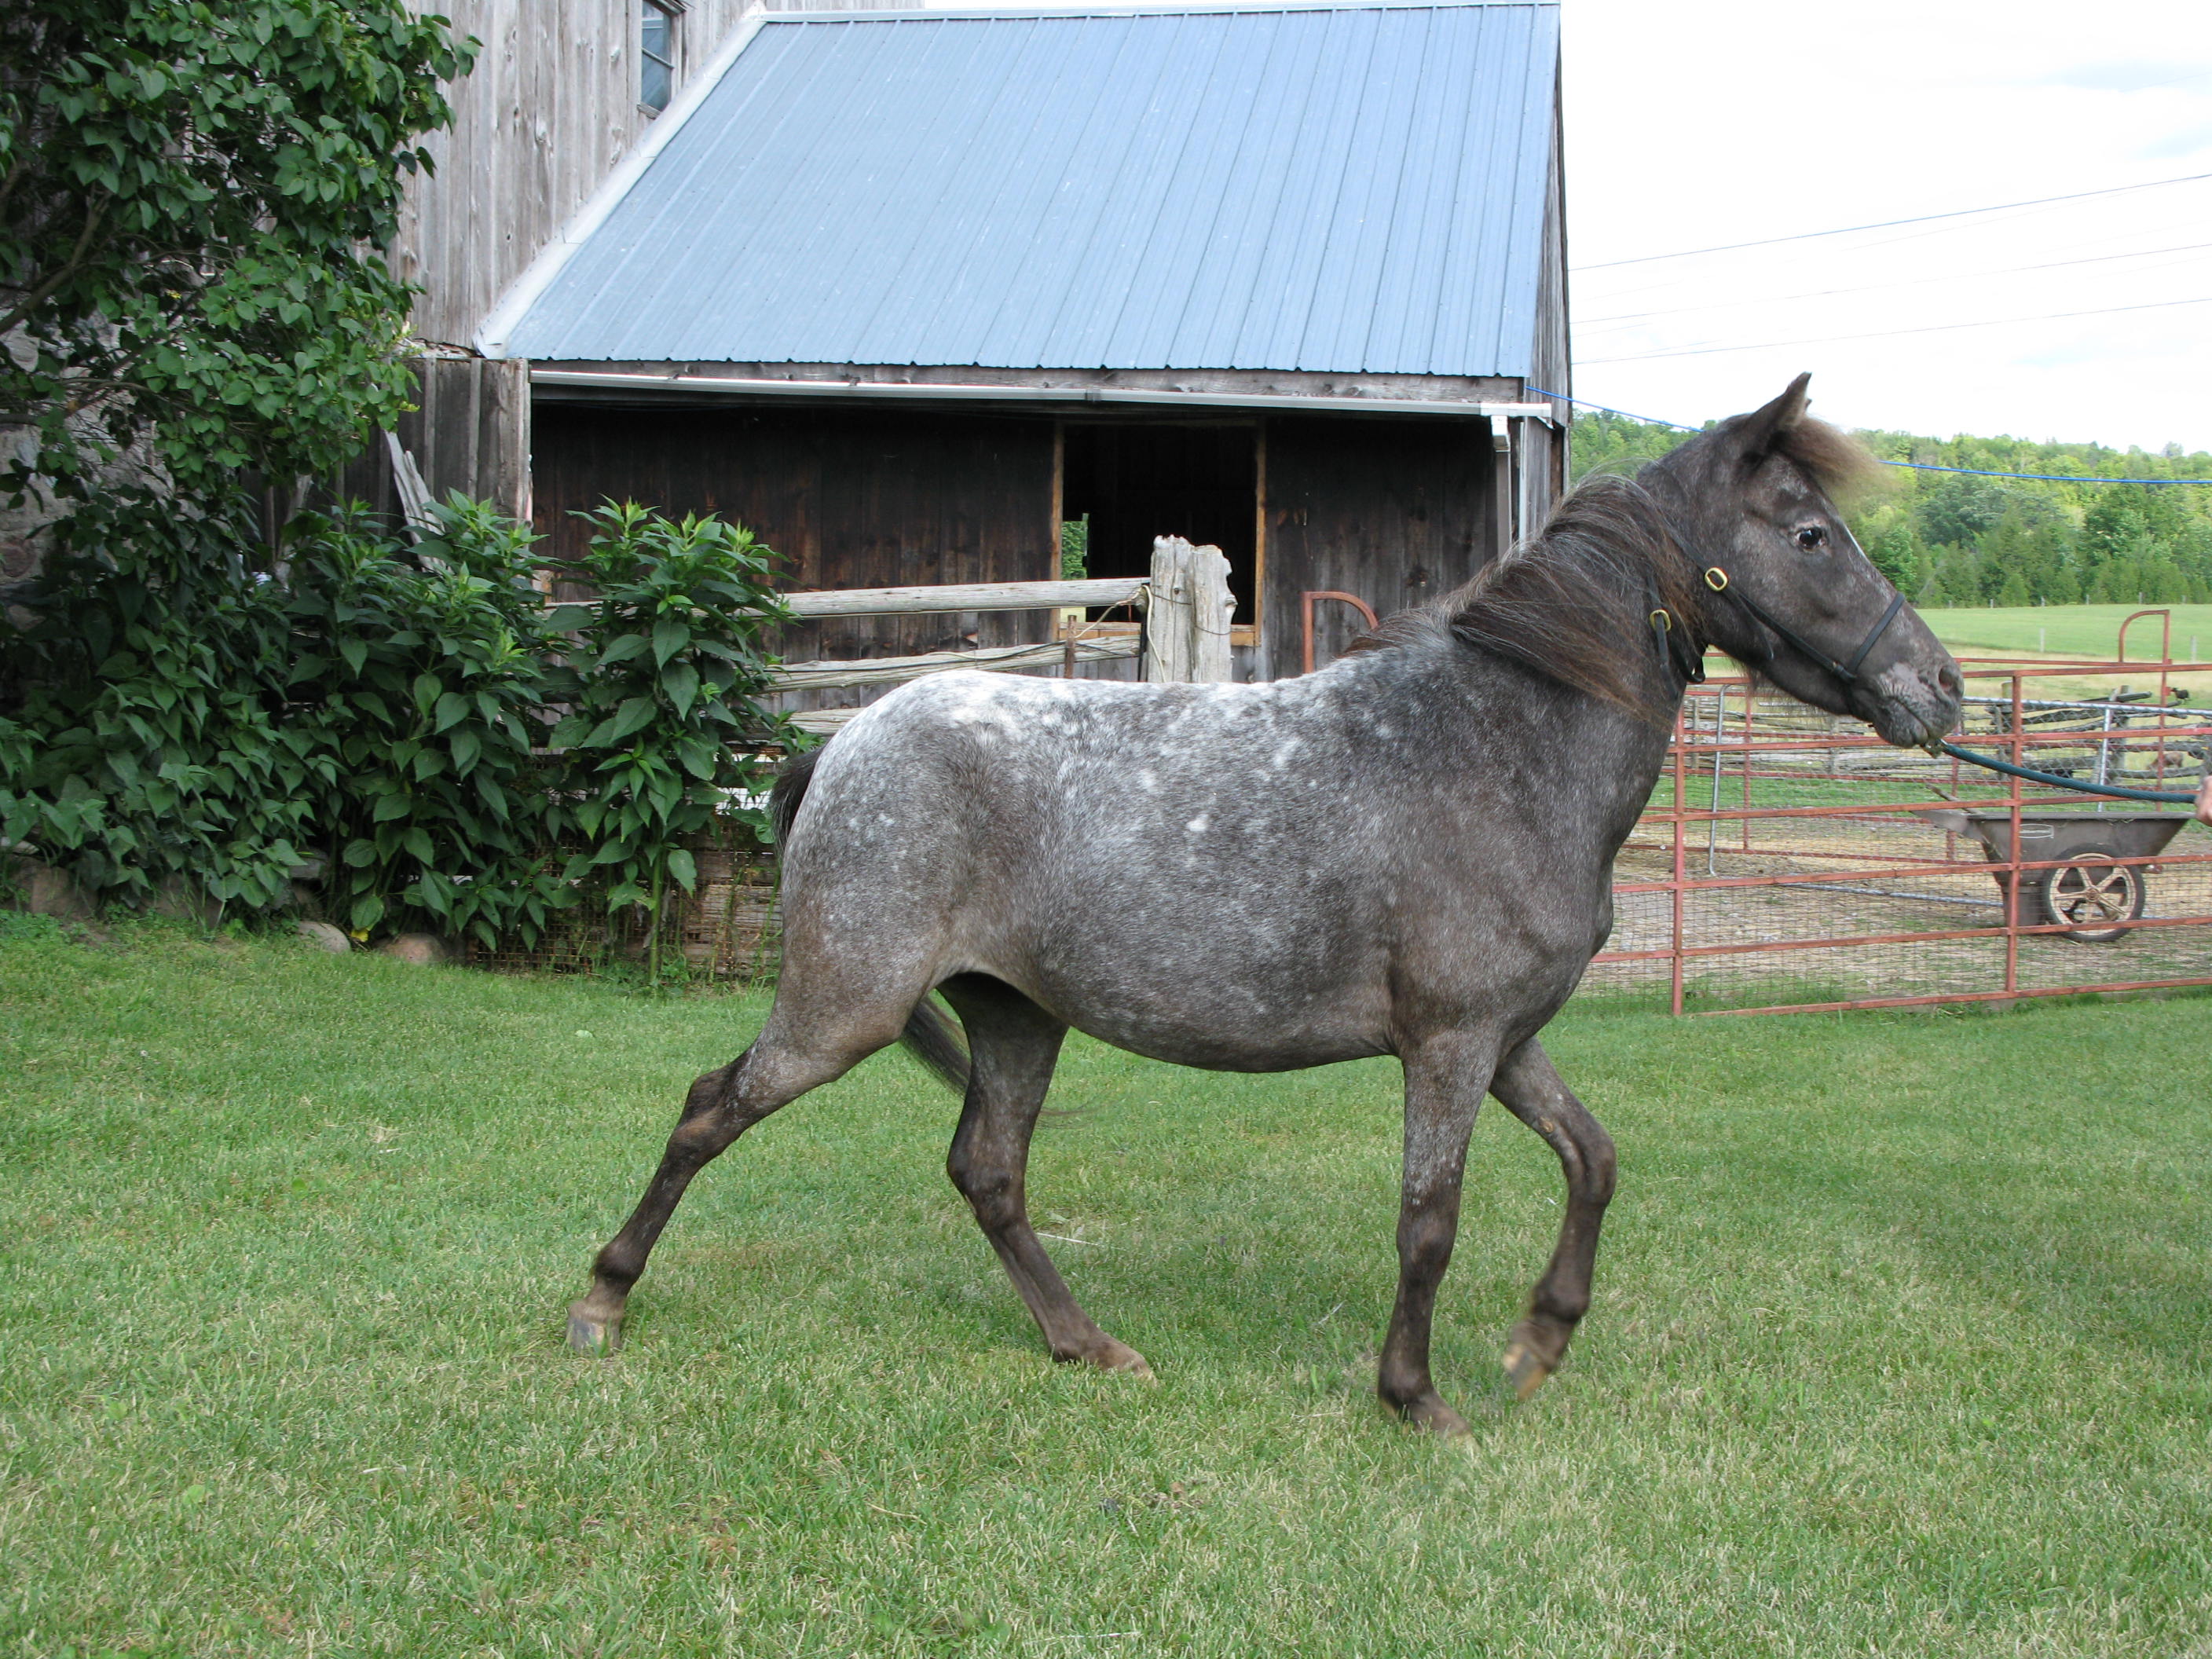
x=1910, y=706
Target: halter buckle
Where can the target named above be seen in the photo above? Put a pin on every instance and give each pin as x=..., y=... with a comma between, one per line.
x=1662, y=621
x=1716, y=579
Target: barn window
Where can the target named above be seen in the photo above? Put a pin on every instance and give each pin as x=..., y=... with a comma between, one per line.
x=656, y=44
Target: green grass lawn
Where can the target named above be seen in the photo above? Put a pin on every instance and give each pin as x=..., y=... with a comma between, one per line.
x=2071, y=630
x=1903, y=1343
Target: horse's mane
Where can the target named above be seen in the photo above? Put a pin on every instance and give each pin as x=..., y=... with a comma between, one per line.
x=1829, y=456
x=1573, y=602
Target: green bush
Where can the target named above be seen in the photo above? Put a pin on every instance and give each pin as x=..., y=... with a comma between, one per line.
x=457, y=755
x=419, y=682
x=195, y=204
x=666, y=665
x=147, y=738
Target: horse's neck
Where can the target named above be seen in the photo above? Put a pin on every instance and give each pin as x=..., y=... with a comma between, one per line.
x=1603, y=759
x=1616, y=795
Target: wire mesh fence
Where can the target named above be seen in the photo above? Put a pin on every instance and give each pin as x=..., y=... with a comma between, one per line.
x=1791, y=860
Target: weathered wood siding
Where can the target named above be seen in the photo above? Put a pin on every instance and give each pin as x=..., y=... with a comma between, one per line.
x=847, y=498
x=1396, y=511
x=469, y=431
x=542, y=118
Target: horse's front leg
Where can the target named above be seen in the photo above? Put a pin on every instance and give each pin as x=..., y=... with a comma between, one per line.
x=1445, y=1078
x=1528, y=1087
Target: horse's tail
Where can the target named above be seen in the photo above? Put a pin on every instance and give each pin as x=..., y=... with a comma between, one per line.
x=929, y=1036
x=936, y=1042
x=788, y=791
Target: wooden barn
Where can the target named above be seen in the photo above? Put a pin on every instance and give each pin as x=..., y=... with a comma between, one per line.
x=907, y=292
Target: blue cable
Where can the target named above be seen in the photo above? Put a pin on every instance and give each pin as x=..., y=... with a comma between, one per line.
x=1911, y=466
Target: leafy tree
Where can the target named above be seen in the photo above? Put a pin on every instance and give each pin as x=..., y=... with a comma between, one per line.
x=1894, y=543
x=1958, y=537
x=1604, y=442
x=1955, y=511
x=2055, y=583
x=192, y=199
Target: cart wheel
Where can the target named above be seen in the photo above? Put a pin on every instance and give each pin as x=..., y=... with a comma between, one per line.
x=2090, y=894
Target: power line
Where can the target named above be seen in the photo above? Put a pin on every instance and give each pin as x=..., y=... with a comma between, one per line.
x=1876, y=288
x=1891, y=333
x=1885, y=224
x=1910, y=466
x=1700, y=280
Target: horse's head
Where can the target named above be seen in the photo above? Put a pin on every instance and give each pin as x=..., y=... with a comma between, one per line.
x=1790, y=592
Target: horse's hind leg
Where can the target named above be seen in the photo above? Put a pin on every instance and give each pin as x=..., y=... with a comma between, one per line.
x=1444, y=1081
x=1012, y=1046
x=1528, y=1087
x=721, y=1106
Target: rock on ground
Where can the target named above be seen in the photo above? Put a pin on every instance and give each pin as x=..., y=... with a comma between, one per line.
x=424, y=950
x=324, y=937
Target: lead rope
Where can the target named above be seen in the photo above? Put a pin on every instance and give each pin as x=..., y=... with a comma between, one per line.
x=2053, y=781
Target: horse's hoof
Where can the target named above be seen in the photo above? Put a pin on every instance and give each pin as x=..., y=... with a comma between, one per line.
x=1135, y=1366
x=594, y=1336
x=1120, y=1357
x=1431, y=1414
x=1524, y=1370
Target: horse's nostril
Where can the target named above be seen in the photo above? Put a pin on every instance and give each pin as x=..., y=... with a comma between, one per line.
x=1951, y=680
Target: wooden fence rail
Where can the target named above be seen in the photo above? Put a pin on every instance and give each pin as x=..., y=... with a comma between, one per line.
x=971, y=596
x=1185, y=602
x=994, y=659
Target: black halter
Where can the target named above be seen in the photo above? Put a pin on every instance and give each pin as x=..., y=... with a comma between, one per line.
x=1848, y=673
x=1675, y=649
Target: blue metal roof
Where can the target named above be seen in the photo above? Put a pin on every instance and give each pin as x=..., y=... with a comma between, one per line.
x=1345, y=188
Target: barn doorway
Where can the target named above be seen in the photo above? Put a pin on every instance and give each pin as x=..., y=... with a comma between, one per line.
x=1134, y=481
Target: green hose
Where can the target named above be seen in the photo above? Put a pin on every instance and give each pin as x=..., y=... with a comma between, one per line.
x=2177, y=796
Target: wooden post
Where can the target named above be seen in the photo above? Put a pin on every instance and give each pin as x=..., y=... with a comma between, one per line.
x=414, y=494
x=1187, y=625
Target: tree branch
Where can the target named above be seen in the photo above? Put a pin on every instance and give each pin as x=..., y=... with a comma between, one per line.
x=45, y=290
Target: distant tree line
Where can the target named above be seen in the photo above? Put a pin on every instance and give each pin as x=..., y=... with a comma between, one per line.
x=1950, y=539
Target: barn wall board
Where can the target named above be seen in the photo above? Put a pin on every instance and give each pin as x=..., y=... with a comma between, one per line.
x=1396, y=511
x=847, y=498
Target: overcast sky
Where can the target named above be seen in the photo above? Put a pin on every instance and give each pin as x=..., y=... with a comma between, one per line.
x=1692, y=124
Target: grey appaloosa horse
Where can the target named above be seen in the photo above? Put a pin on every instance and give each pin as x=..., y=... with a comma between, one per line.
x=1409, y=853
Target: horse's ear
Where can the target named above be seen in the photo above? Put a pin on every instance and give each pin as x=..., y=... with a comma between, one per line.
x=1767, y=429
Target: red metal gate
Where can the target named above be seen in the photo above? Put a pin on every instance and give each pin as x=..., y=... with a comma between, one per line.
x=1790, y=862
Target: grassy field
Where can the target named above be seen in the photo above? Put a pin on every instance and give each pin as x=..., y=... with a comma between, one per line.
x=1903, y=1343
x=2071, y=630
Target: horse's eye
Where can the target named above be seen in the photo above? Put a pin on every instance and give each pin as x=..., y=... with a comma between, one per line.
x=1811, y=537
